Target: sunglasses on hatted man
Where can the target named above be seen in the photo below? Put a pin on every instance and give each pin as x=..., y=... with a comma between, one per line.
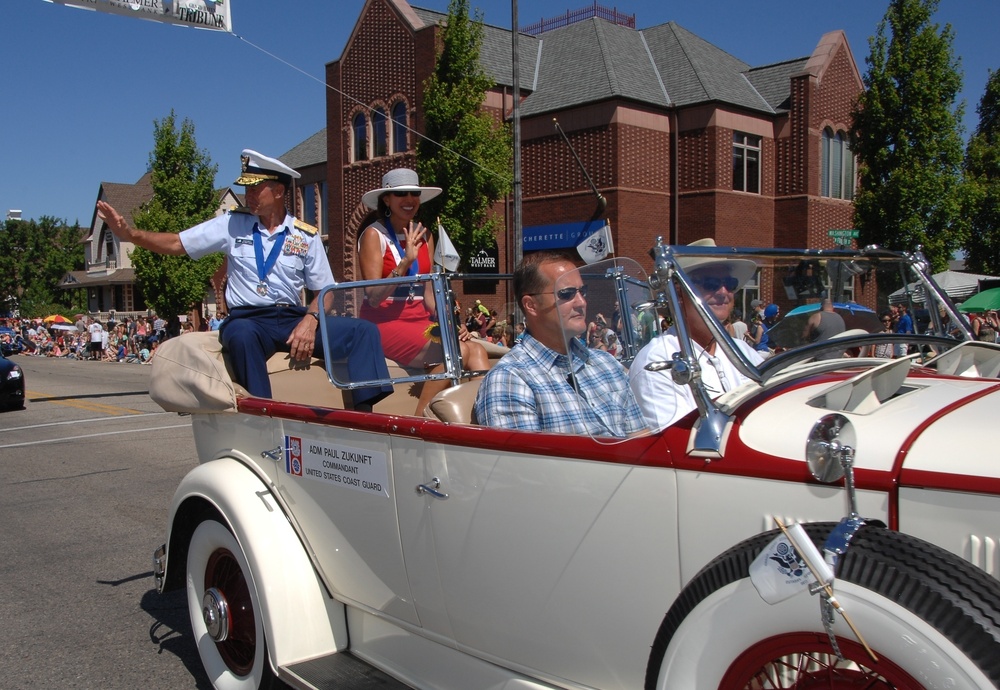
x=713, y=283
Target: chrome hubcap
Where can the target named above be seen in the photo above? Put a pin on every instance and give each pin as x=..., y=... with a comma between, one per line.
x=215, y=613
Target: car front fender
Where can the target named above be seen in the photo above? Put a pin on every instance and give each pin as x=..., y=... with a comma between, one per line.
x=300, y=618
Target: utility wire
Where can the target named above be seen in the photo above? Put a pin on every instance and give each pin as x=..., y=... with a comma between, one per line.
x=363, y=105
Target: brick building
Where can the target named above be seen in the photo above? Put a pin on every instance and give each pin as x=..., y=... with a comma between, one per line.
x=683, y=139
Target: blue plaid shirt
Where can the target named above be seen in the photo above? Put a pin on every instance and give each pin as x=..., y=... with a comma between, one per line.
x=530, y=389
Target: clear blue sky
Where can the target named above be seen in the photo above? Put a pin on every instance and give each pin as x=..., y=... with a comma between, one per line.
x=81, y=90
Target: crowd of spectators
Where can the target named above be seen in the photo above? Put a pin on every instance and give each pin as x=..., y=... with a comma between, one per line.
x=129, y=340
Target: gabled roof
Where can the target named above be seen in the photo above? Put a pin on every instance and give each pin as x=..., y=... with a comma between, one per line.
x=312, y=151
x=495, y=55
x=771, y=81
x=595, y=60
x=127, y=198
x=591, y=61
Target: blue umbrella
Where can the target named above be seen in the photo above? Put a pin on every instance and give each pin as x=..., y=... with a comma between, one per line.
x=787, y=333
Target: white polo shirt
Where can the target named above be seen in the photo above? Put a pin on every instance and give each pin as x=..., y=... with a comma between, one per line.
x=302, y=262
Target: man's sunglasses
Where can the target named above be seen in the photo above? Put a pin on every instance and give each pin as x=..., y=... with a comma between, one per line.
x=565, y=294
x=407, y=193
x=713, y=283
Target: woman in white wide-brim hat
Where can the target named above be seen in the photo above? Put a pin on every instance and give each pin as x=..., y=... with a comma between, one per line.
x=396, y=245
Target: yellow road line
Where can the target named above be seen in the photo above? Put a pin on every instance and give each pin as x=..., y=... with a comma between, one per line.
x=35, y=396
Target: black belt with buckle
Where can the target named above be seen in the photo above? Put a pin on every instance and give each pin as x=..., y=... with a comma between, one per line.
x=283, y=305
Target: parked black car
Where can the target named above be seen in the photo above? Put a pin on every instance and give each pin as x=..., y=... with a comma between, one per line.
x=11, y=384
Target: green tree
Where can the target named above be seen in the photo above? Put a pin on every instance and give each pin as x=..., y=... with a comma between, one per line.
x=907, y=135
x=982, y=176
x=183, y=195
x=467, y=152
x=34, y=258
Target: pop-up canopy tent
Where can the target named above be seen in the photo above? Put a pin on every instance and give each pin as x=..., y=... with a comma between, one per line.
x=957, y=285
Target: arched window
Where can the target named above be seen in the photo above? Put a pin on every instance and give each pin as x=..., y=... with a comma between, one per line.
x=399, y=127
x=837, y=172
x=359, y=127
x=380, y=132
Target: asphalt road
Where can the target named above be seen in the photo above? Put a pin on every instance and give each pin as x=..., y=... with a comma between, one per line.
x=88, y=470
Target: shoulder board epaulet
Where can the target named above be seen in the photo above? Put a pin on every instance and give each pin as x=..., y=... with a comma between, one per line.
x=305, y=227
x=240, y=209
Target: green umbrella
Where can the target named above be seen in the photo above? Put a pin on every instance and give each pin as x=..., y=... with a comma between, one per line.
x=987, y=300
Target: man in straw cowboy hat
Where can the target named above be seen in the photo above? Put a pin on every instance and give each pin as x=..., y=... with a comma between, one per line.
x=716, y=280
x=271, y=257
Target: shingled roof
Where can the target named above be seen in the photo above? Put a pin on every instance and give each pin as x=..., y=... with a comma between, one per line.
x=495, y=53
x=590, y=61
x=771, y=81
x=595, y=60
x=312, y=151
x=127, y=198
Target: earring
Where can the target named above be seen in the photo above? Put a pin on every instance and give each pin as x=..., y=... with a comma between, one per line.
x=388, y=211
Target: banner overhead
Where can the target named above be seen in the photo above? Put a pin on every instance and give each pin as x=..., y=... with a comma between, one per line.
x=200, y=14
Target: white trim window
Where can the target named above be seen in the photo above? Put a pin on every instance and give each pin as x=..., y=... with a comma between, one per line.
x=746, y=162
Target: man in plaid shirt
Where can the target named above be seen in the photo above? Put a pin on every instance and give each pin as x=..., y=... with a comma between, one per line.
x=551, y=381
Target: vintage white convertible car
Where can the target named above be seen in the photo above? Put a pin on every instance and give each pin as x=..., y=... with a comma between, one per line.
x=324, y=547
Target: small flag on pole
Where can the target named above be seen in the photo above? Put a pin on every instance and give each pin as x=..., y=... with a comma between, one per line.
x=597, y=245
x=785, y=566
x=445, y=253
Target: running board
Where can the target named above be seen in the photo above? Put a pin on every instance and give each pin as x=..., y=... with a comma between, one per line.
x=342, y=671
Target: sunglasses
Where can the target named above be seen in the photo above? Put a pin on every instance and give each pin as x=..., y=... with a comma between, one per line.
x=713, y=283
x=886, y=320
x=402, y=194
x=565, y=294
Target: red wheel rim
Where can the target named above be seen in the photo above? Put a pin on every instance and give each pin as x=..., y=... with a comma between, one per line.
x=806, y=661
x=240, y=648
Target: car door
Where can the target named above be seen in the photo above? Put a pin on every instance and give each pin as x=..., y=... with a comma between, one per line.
x=559, y=565
x=338, y=484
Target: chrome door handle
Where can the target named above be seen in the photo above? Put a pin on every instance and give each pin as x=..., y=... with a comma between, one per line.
x=433, y=489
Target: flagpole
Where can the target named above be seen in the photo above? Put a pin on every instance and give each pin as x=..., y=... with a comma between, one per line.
x=827, y=589
x=516, y=117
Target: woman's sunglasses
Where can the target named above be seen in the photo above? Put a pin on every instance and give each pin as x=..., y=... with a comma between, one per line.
x=407, y=193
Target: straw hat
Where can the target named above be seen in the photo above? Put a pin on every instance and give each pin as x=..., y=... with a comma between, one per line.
x=742, y=269
x=399, y=180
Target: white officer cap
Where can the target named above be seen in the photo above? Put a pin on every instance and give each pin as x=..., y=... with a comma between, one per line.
x=259, y=168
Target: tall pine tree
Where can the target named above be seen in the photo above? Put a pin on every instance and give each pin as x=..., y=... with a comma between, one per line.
x=982, y=175
x=183, y=195
x=907, y=136
x=466, y=152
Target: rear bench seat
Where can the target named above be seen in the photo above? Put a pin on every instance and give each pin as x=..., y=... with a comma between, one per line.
x=190, y=375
